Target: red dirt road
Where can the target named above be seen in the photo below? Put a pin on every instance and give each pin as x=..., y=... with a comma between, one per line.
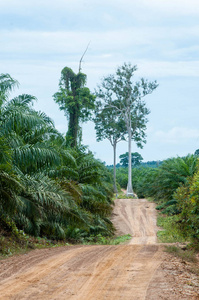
x=136, y=217
x=132, y=271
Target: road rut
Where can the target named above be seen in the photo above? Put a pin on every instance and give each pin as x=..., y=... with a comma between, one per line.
x=91, y=272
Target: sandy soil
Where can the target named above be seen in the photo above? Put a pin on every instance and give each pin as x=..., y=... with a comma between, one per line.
x=139, y=270
x=136, y=217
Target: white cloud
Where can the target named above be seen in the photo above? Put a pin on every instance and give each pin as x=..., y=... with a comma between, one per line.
x=177, y=135
x=67, y=41
x=23, y=5
x=183, y=7
x=106, y=49
x=170, y=5
x=159, y=39
x=159, y=69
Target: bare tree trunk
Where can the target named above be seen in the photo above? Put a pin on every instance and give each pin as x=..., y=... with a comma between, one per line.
x=114, y=168
x=80, y=62
x=129, y=186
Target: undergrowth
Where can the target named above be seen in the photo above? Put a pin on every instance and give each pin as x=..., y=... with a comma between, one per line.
x=170, y=233
x=22, y=243
x=122, y=195
x=101, y=240
x=186, y=254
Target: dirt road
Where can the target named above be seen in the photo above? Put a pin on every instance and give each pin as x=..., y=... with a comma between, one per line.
x=138, y=218
x=95, y=272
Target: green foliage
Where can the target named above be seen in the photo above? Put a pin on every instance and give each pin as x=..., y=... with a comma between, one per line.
x=175, y=186
x=140, y=179
x=108, y=125
x=185, y=255
x=101, y=240
x=76, y=101
x=7, y=84
x=122, y=177
x=161, y=183
x=46, y=188
x=121, y=112
x=136, y=159
x=187, y=198
x=152, y=164
x=170, y=232
x=196, y=152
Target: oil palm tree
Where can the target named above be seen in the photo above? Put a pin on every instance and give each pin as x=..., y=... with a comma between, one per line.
x=46, y=188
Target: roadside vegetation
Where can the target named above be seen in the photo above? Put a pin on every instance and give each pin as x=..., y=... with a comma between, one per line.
x=48, y=189
x=174, y=186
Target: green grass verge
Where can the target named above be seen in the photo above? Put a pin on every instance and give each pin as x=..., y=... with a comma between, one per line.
x=101, y=240
x=12, y=245
x=186, y=255
x=170, y=232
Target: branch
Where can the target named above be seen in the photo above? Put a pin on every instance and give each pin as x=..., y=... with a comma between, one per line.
x=121, y=139
x=80, y=62
x=112, y=106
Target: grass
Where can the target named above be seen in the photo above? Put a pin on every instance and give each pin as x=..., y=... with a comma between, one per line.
x=188, y=255
x=22, y=243
x=170, y=232
x=122, y=195
x=101, y=240
x=12, y=245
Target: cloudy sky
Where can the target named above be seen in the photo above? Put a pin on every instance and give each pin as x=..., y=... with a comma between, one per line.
x=39, y=38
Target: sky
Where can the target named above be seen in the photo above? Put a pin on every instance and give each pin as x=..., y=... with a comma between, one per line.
x=39, y=38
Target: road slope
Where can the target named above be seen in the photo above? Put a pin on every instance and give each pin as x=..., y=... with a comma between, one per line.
x=92, y=272
x=136, y=217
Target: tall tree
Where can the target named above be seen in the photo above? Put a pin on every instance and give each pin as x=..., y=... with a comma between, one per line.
x=76, y=100
x=109, y=126
x=125, y=97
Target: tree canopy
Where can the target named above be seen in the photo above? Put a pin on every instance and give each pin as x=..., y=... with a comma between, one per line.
x=136, y=159
x=109, y=125
x=77, y=102
x=124, y=96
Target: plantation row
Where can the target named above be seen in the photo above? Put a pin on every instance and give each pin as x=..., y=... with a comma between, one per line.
x=47, y=189
x=174, y=185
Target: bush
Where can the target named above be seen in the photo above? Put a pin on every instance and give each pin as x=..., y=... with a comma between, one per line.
x=187, y=198
x=122, y=177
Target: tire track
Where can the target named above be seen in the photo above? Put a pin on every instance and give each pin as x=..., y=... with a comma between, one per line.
x=90, y=272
